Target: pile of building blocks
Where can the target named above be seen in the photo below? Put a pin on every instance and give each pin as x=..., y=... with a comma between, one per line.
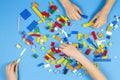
x=90, y=43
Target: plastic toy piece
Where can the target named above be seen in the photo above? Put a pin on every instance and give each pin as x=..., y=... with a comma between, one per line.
x=39, y=65
x=74, y=32
x=84, y=44
x=104, y=57
x=35, y=55
x=25, y=14
x=32, y=26
x=91, y=47
x=110, y=43
x=79, y=36
x=105, y=53
x=57, y=24
x=30, y=38
x=91, y=42
x=58, y=38
x=69, y=66
x=33, y=49
x=65, y=71
x=45, y=38
x=88, y=24
x=60, y=60
x=18, y=60
x=36, y=35
x=52, y=44
x=85, y=36
x=65, y=62
x=18, y=46
x=22, y=51
x=46, y=65
x=94, y=35
x=88, y=51
x=84, y=16
x=108, y=32
x=58, y=65
x=42, y=48
x=78, y=66
x=45, y=14
x=35, y=9
x=101, y=60
x=100, y=35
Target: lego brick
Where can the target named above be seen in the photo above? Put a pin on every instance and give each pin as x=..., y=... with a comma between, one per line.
x=25, y=14
x=32, y=25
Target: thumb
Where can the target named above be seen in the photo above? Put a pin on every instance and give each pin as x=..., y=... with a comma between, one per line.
x=16, y=69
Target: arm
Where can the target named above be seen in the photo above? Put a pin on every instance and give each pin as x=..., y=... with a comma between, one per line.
x=101, y=16
x=71, y=51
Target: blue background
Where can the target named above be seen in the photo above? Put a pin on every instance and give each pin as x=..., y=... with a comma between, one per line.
x=28, y=70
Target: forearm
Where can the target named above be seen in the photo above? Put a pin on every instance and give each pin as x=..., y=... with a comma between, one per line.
x=92, y=70
x=65, y=3
x=108, y=6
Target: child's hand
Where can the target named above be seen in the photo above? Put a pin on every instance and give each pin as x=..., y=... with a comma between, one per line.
x=100, y=19
x=72, y=11
x=12, y=71
x=69, y=50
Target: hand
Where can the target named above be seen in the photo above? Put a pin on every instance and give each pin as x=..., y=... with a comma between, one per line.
x=100, y=19
x=12, y=71
x=69, y=50
x=72, y=11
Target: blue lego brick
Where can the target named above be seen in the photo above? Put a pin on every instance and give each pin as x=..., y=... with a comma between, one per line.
x=40, y=64
x=25, y=14
x=74, y=32
x=84, y=16
x=32, y=25
x=101, y=60
x=80, y=45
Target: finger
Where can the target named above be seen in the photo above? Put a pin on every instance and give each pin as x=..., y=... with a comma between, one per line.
x=16, y=68
x=98, y=26
x=94, y=19
x=80, y=12
x=95, y=25
x=78, y=16
x=74, y=17
x=64, y=44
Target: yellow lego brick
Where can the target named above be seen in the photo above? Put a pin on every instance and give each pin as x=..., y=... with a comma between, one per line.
x=18, y=46
x=33, y=50
x=29, y=33
x=88, y=24
x=65, y=62
x=104, y=57
x=100, y=35
x=109, y=28
x=51, y=3
x=18, y=60
x=79, y=36
x=60, y=60
x=76, y=45
x=85, y=36
x=91, y=47
x=45, y=38
x=35, y=4
x=58, y=38
x=53, y=62
x=101, y=46
x=84, y=44
x=38, y=40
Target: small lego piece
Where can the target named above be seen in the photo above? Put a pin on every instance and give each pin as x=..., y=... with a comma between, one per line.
x=35, y=55
x=100, y=35
x=84, y=16
x=18, y=46
x=39, y=65
x=84, y=44
x=57, y=24
x=65, y=71
x=101, y=60
x=94, y=35
x=60, y=60
x=88, y=51
x=52, y=44
x=110, y=43
x=32, y=25
x=91, y=47
x=46, y=65
x=42, y=48
x=85, y=36
x=18, y=60
x=69, y=66
x=74, y=32
x=22, y=51
x=88, y=24
x=25, y=14
x=79, y=36
x=58, y=65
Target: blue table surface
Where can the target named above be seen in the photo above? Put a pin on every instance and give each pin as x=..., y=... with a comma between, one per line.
x=28, y=70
